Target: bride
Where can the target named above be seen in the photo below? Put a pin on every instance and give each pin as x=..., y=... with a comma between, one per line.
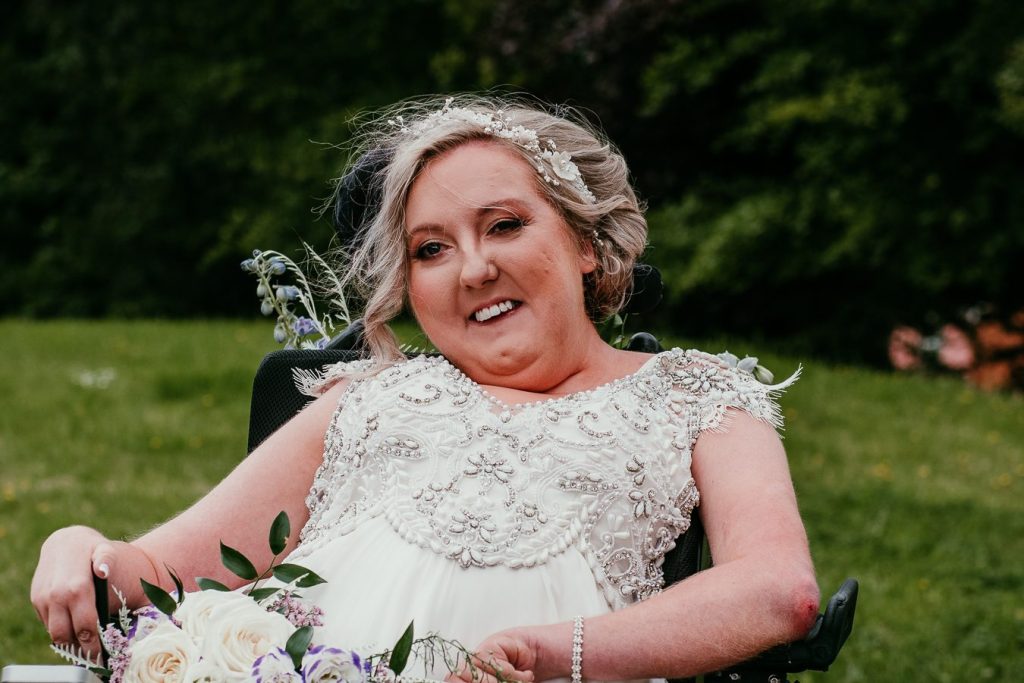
x=519, y=491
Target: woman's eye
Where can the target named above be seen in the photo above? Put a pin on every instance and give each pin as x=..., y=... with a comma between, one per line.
x=507, y=225
x=428, y=250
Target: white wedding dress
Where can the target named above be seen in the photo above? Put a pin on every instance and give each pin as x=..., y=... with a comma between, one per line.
x=437, y=502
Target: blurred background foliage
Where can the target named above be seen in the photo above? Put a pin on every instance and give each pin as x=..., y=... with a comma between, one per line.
x=815, y=170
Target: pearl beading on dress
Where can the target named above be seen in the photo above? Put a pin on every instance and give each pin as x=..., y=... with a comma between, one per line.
x=605, y=472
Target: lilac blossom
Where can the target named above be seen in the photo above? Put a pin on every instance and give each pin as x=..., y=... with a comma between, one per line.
x=117, y=645
x=297, y=612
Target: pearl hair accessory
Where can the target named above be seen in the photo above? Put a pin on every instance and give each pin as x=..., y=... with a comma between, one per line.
x=499, y=125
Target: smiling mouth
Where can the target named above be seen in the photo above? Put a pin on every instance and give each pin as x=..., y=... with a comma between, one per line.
x=493, y=311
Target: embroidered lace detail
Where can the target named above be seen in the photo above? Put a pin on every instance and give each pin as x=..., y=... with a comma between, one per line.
x=605, y=472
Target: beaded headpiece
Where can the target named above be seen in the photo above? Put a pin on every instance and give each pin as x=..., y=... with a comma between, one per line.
x=545, y=155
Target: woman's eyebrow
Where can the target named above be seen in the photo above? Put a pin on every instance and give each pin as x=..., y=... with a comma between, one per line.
x=509, y=204
x=513, y=205
x=424, y=227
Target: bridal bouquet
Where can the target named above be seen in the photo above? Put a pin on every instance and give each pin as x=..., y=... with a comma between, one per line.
x=262, y=634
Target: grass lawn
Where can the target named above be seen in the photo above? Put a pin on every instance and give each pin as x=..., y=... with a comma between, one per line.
x=913, y=485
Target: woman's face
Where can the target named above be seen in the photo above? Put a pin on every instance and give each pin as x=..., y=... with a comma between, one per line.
x=495, y=279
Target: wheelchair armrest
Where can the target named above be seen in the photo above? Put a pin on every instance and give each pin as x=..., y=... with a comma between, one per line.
x=820, y=647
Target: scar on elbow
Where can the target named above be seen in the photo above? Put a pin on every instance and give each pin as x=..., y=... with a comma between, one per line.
x=805, y=604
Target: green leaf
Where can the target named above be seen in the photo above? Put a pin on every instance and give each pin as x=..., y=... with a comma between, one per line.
x=177, y=584
x=102, y=672
x=290, y=572
x=261, y=594
x=238, y=563
x=279, y=532
x=160, y=598
x=298, y=644
x=210, y=584
x=400, y=653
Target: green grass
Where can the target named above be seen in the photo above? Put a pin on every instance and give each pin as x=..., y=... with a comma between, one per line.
x=913, y=485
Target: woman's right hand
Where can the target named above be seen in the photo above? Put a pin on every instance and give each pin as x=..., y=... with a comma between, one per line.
x=62, y=587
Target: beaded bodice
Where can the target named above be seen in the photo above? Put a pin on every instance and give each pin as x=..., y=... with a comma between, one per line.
x=605, y=472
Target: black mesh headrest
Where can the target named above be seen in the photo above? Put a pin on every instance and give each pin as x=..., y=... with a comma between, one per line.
x=647, y=290
x=358, y=195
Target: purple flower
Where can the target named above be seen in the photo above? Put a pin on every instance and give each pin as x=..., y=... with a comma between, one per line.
x=322, y=664
x=146, y=619
x=297, y=612
x=303, y=326
x=117, y=645
x=275, y=667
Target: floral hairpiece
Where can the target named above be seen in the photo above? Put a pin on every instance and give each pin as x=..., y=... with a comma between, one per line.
x=500, y=125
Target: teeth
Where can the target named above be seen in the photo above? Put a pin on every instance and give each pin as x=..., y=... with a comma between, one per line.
x=491, y=311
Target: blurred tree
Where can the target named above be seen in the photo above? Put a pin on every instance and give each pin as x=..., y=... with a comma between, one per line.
x=817, y=169
x=156, y=143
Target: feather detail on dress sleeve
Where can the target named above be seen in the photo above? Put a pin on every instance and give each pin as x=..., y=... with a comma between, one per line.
x=705, y=386
x=315, y=382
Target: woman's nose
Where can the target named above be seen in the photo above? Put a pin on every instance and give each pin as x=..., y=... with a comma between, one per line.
x=477, y=269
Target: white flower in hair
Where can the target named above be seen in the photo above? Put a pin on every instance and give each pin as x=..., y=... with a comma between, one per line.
x=561, y=164
x=500, y=125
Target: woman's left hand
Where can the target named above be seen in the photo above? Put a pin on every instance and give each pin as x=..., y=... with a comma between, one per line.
x=505, y=656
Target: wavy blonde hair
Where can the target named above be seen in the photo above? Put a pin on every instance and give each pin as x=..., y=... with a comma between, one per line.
x=376, y=267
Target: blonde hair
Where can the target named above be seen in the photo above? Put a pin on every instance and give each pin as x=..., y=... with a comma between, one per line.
x=376, y=266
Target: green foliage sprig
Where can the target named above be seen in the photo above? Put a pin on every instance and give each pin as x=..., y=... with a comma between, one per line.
x=295, y=331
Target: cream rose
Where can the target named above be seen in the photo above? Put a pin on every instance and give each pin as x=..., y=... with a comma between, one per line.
x=195, y=610
x=238, y=633
x=162, y=656
x=204, y=672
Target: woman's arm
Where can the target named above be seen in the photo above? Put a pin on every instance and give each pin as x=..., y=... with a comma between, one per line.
x=760, y=592
x=239, y=510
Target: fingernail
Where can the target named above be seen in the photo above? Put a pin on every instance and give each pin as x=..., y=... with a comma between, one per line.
x=103, y=570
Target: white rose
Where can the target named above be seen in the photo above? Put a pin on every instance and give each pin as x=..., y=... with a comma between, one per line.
x=162, y=656
x=204, y=672
x=194, y=612
x=238, y=633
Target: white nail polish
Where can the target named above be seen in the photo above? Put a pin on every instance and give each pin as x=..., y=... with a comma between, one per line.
x=103, y=570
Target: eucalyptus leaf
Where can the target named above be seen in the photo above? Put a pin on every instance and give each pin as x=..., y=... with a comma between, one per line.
x=298, y=643
x=261, y=594
x=238, y=563
x=309, y=580
x=210, y=584
x=160, y=598
x=279, y=532
x=292, y=572
x=400, y=653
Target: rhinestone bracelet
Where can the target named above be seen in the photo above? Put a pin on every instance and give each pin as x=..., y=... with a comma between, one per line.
x=577, y=650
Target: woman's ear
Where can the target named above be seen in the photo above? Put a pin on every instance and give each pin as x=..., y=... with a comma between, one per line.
x=587, y=257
